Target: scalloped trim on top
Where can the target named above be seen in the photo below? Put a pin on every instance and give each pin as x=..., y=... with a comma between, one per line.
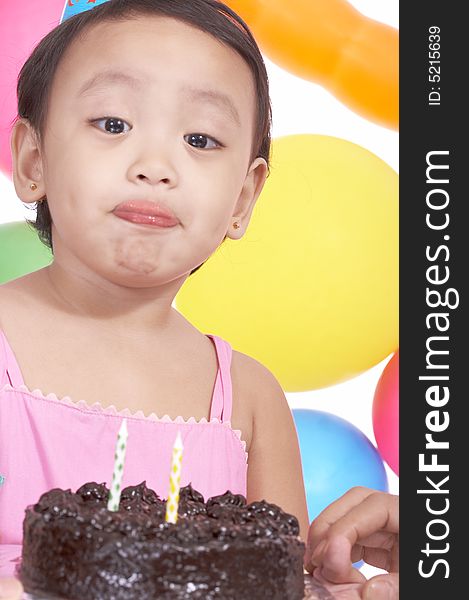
x=97, y=407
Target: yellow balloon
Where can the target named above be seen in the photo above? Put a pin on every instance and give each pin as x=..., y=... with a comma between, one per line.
x=311, y=290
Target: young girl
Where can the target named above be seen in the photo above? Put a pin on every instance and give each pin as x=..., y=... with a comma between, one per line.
x=143, y=136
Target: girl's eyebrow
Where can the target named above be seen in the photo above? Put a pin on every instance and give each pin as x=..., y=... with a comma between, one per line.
x=193, y=94
x=109, y=76
x=214, y=97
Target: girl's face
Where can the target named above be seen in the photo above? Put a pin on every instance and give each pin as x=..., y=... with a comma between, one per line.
x=185, y=109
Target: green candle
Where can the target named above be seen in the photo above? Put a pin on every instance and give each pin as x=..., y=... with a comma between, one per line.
x=119, y=457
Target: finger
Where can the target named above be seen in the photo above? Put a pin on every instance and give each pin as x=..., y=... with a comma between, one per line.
x=337, y=510
x=336, y=566
x=378, y=512
x=382, y=587
x=378, y=557
x=382, y=557
x=317, y=574
x=10, y=588
x=377, y=515
x=388, y=560
x=336, y=559
x=332, y=513
x=361, y=514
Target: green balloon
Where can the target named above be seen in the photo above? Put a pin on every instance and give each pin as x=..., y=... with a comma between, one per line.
x=21, y=251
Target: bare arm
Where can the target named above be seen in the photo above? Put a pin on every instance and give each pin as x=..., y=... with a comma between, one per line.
x=274, y=463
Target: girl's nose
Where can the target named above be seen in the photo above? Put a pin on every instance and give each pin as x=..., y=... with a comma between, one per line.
x=154, y=166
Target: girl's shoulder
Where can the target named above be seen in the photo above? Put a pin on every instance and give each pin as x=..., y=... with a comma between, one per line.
x=253, y=375
x=254, y=391
x=20, y=299
x=13, y=291
x=21, y=285
x=260, y=390
x=7, y=299
x=11, y=307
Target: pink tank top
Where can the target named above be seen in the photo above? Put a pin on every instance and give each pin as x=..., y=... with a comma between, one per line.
x=48, y=442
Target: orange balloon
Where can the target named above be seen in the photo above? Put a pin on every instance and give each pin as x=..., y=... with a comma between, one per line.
x=331, y=43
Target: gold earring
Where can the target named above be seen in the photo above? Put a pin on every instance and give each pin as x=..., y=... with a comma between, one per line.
x=33, y=186
x=236, y=225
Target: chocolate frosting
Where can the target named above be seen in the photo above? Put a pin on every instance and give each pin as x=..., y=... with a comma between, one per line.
x=74, y=547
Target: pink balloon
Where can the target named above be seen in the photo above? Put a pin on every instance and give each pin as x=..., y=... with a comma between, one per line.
x=386, y=413
x=23, y=24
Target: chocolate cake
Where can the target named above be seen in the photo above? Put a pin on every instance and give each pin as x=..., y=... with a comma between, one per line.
x=75, y=548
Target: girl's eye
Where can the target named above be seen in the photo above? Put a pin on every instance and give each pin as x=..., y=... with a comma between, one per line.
x=199, y=140
x=112, y=124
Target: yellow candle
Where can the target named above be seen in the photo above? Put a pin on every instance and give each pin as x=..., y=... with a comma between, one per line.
x=172, y=502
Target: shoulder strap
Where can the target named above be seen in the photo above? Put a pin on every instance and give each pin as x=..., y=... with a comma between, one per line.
x=9, y=369
x=222, y=400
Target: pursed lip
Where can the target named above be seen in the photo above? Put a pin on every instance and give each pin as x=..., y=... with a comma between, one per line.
x=146, y=212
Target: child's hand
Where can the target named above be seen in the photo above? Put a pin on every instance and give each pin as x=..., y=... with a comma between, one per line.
x=10, y=588
x=362, y=524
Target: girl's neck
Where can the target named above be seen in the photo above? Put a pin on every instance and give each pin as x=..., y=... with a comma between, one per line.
x=85, y=295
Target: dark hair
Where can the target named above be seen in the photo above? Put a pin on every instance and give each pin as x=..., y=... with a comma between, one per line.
x=213, y=17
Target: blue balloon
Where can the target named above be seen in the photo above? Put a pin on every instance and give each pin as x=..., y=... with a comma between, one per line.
x=335, y=456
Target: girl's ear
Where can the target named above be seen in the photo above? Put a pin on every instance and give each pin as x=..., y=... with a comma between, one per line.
x=27, y=163
x=252, y=187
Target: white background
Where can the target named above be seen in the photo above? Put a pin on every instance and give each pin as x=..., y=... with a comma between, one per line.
x=301, y=106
